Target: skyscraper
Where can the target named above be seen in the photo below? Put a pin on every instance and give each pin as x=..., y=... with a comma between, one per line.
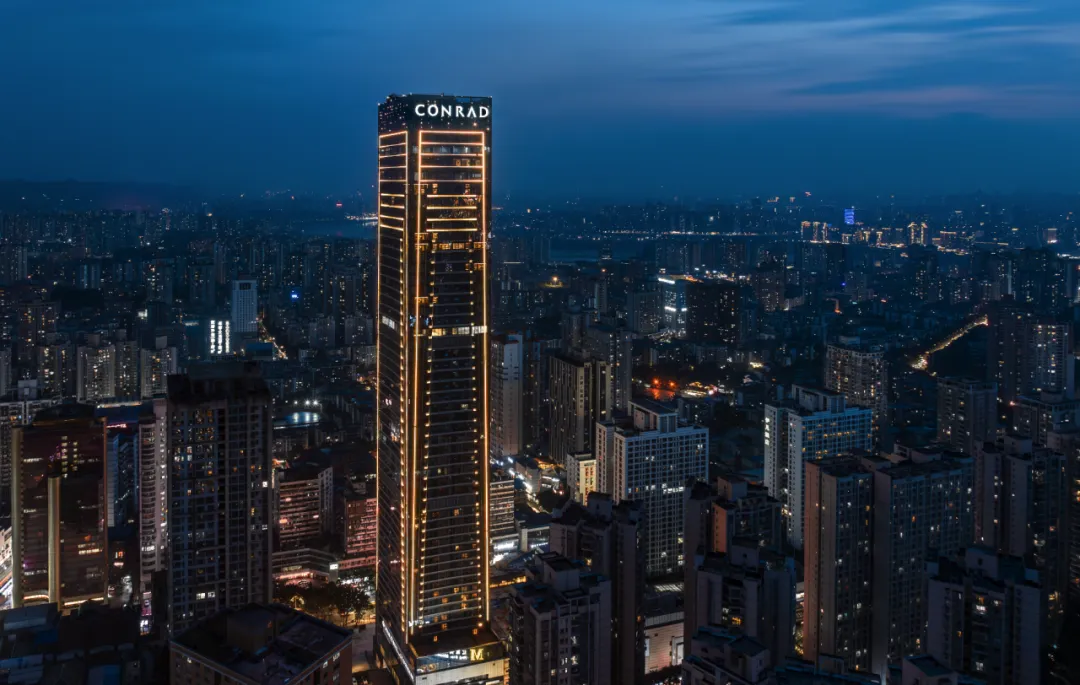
x=815, y=425
x=218, y=449
x=434, y=194
x=245, y=307
x=966, y=413
x=58, y=508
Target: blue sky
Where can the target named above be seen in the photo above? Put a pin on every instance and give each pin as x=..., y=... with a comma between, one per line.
x=635, y=98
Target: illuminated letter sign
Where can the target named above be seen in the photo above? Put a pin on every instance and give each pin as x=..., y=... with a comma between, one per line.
x=476, y=653
x=460, y=111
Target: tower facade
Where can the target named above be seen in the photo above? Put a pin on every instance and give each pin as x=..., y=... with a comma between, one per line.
x=434, y=211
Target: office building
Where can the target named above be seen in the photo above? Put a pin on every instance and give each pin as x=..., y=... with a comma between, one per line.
x=813, y=425
x=612, y=345
x=838, y=562
x=610, y=539
x=1021, y=509
x=507, y=436
x=922, y=509
x=714, y=313
x=651, y=460
x=262, y=645
x=860, y=373
x=218, y=447
x=95, y=373
x=580, y=392
x=305, y=504
x=244, y=313
x=434, y=189
x=673, y=301
x=749, y=589
x=986, y=617
x=966, y=413
x=560, y=625
x=59, y=538
x=1038, y=417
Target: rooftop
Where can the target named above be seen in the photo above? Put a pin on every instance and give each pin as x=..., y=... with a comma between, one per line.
x=268, y=644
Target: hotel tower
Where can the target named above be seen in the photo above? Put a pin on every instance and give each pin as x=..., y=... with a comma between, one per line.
x=434, y=191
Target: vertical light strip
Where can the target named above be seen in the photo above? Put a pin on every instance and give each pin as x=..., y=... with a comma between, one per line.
x=406, y=561
x=414, y=460
x=485, y=546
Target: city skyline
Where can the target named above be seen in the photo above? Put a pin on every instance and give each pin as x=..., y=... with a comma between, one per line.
x=720, y=98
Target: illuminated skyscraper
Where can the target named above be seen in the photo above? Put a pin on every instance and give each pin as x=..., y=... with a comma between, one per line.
x=434, y=209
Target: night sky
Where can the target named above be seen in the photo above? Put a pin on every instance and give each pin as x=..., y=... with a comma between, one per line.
x=595, y=98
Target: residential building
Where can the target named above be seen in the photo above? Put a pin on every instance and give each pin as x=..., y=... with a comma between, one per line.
x=966, y=413
x=814, y=425
x=652, y=459
x=838, y=562
x=218, y=447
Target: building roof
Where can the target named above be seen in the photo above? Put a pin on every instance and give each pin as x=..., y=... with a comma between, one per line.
x=268, y=644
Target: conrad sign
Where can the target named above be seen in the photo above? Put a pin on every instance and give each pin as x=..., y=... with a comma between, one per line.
x=432, y=109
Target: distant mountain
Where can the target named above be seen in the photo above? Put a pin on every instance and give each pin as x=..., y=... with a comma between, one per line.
x=18, y=195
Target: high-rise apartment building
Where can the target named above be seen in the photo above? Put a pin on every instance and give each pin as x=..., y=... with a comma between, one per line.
x=305, y=504
x=861, y=374
x=560, y=625
x=503, y=532
x=651, y=460
x=838, y=561
x=507, y=436
x=1021, y=509
x=613, y=345
x=153, y=498
x=95, y=373
x=1038, y=417
x=244, y=315
x=966, y=413
x=1029, y=354
x=643, y=311
x=580, y=397
x=157, y=365
x=610, y=539
x=986, y=617
x=714, y=313
x=59, y=542
x=922, y=509
x=814, y=425
x=434, y=189
x=218, y=448
x=750, y=589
